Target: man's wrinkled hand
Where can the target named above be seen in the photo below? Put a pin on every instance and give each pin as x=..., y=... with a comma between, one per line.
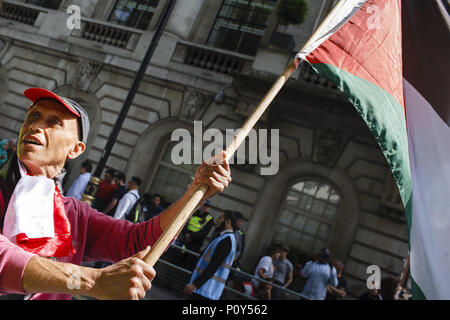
x=215, y=173
x=128, y=279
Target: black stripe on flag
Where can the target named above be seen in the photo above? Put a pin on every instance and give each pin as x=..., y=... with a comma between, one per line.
x=426, y=51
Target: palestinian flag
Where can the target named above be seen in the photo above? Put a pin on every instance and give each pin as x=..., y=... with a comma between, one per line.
x=391, y=59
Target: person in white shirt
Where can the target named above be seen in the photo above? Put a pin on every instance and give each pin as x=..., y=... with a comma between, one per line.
x=78, y=186
x=264, y=270
x=129, y=199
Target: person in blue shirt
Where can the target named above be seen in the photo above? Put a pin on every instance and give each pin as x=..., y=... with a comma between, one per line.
x=153, y=207
x=78, y=186
x=319, y=273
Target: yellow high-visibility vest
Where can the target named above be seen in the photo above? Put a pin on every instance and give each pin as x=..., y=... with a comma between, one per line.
x=195, y=224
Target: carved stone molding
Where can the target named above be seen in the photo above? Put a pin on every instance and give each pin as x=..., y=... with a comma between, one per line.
x=328, y=146
x=85, y=74
x=194, y=103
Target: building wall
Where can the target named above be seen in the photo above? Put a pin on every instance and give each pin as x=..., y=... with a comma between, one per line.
x=321, y=135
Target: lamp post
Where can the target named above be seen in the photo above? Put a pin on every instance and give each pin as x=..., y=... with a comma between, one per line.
x=91, y=189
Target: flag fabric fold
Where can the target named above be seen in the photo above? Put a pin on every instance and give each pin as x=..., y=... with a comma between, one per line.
x=373, y=54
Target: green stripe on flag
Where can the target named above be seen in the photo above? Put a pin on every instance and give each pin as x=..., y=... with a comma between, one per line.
x=385, y=118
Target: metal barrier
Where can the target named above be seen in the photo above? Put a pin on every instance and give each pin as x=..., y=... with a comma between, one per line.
x=174, y=277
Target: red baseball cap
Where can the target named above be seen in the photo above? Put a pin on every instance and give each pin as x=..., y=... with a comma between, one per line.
x=37, y=94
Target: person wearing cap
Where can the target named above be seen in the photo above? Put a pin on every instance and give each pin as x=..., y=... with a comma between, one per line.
x=195, y=232
x=319, y=273
x=45, y=236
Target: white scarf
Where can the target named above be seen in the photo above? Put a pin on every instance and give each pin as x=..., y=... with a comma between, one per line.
x=30, y=210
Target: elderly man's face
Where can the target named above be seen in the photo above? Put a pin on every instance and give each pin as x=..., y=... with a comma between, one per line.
x=49, y=135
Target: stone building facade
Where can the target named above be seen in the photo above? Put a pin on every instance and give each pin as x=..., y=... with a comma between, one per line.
x=333, y=187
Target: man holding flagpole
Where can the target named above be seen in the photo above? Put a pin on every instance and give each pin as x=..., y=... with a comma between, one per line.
x=45, y=237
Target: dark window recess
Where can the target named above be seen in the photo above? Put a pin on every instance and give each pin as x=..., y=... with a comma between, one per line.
x=282, y=40
x=135, y=14
x=50, y=4
x=240, y=25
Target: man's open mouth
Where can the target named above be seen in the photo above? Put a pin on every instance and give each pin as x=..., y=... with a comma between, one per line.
x=32, y=141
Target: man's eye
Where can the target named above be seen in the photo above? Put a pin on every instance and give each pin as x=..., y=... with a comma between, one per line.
x=32, y=116
x=54, y=122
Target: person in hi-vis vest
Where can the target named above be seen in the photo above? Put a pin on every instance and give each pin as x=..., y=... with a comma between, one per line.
x=194, y=234
x=213, y=268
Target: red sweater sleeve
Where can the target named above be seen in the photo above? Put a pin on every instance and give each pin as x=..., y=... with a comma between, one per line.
x=13, y=260
x=108, y=239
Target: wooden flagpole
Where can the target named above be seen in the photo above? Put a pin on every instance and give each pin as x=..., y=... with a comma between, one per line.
x=192, y=203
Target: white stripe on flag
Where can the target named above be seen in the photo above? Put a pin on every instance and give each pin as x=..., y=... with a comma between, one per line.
x=429, y=153
x=340, y=14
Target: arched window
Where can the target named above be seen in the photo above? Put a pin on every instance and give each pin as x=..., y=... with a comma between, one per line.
x=307, y=216
x=170, y=180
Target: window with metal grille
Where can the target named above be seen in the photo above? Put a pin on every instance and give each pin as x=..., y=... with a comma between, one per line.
x=240, y=25
x=307, y=216
x=134, y=13
x=50, y=4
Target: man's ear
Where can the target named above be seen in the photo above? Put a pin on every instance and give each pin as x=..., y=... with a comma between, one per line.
x=77, y=150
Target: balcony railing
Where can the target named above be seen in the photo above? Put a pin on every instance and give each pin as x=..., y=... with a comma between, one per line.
x=307, y=75
x=106, y=33
x=97, y=31
x=212, y=59
x=19, y=12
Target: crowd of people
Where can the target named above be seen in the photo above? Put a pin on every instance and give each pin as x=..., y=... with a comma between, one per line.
x=222, y=242
x=116, y=197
